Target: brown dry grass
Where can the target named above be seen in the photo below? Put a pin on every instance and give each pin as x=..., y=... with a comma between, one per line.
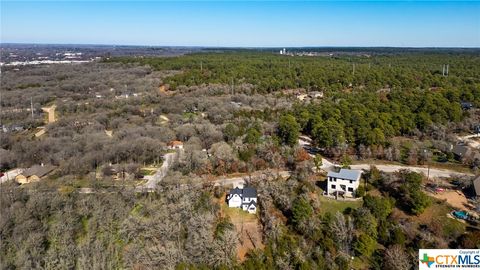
x=248, y=228
x=455, y=198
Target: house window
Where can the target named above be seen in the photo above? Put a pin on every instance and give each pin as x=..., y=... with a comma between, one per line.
x=351, y=181
x=350, y=189
x=334, y=186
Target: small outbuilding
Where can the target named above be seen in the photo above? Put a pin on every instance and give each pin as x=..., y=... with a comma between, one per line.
x=315, y=94
x=461, y=151
x=466, y=105
x=476, y=186
x=173, y=145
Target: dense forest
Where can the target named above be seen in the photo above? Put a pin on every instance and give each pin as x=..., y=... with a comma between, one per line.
x=270, y=73
x=369, y=98
x=183, y=229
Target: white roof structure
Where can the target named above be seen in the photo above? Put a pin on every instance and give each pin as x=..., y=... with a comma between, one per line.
x=346, y=174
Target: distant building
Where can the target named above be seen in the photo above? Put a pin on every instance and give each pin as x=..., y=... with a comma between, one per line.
x=173, y=145
x=301, y=96
x=34, y=174
x=245, y=198
x=315, y=94
x=465, y=153
x=11, y=128
x=476, y=129
x=476, y=186
x=466, y=105
x=345, y=182
x=461, y=151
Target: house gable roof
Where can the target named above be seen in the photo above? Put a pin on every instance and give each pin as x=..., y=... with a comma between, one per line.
x=476, y=185
x=235, y=191
x=249, y=192
x=175, y=143
x=38, y=170
x=461, y=150
x=252, y=203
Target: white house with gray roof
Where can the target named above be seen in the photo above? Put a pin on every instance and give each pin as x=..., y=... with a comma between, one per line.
x=245, y=198
x=345, y=182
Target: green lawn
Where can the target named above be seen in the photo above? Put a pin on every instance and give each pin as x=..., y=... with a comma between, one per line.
x=147, y=171
x=236, y=214
x=332, y=206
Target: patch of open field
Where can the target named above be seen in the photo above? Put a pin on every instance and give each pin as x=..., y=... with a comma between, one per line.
x=455, y=198
x=332, y=206
x=439, y=212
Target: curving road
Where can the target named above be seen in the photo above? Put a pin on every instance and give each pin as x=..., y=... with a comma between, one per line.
x=389, y=168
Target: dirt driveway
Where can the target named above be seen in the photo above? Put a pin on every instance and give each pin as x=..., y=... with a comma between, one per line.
x=248, y=229
x=250, y=236
x=455, y=198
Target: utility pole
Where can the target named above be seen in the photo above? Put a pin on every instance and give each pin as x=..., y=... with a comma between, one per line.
x=447, y=69
x=353, y=69
x=31, y=106
x=443, y=70
x=426, y=155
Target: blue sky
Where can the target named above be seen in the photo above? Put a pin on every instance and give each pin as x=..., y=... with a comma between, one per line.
x=325, y=23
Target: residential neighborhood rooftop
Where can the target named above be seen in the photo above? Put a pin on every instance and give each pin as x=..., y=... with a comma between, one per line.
x=173, y=143
x=476, y=185
x=346, y=174
x=38, y=170
x=249, y=192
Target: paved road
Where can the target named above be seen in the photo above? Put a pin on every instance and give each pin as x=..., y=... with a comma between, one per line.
x=152, y=180
x=468, y=139
x=240, y=180
x=10, y=175
x=434, y=172
x=305, y=142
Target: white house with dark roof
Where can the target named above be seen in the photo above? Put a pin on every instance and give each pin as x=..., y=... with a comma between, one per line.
x=245, y=198
x=345, y=182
